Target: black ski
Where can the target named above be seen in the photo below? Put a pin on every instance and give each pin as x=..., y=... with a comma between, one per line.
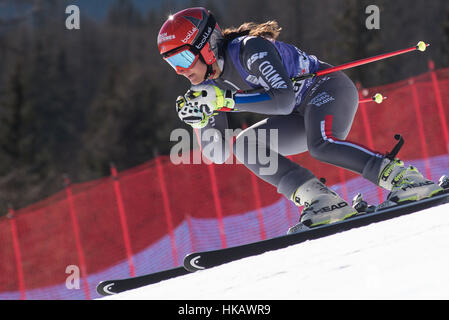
x=110, y=287
x=207, y=259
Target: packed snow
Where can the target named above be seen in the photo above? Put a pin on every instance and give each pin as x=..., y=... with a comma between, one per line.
x=402, y=258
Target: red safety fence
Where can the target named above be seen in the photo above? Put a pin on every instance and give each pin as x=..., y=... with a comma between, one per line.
x=147, y=218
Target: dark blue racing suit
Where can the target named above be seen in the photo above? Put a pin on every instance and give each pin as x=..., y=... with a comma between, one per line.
x=312, y=115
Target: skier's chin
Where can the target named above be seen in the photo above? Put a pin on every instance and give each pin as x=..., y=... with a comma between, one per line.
x=195, y=80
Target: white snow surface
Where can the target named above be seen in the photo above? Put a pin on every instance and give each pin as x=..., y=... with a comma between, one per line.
x=402, y=258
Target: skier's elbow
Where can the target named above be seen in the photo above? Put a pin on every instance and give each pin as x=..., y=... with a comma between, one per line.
x=286, y=103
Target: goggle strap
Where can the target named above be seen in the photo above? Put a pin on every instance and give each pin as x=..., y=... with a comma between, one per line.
x=201, y=41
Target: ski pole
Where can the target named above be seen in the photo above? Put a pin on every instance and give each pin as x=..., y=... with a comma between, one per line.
x=378, y=98
x=421, y=46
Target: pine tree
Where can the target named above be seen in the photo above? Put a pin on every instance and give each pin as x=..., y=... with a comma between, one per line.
x=445, y=41
x=355, y=41
x=17, y=137
x=123, y=13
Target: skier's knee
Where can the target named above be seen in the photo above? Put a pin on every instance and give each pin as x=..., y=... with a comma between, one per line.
x=319, y=150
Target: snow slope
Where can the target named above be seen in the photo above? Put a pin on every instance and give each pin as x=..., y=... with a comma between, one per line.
x=402, y=258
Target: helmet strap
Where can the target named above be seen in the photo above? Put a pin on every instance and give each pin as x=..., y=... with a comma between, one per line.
x=210, y=72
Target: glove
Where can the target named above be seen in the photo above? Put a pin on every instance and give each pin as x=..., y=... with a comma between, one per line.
x=199, y=103
x=211, y=97
x=192, y=114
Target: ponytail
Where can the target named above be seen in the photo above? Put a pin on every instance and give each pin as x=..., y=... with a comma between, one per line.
x=269, y=30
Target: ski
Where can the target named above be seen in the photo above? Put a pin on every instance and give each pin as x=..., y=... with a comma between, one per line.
x=203, y=260
x=367, y=214
x=111, y=287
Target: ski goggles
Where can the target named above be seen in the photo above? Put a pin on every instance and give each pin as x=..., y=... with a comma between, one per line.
x=181, y=59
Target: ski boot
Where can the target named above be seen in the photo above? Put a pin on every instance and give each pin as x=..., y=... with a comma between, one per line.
x=321, y=206
x=406, y=184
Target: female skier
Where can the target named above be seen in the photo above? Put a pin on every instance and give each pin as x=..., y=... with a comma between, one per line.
x=247, y=69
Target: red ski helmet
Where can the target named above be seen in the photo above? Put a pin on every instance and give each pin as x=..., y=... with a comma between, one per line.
x=188, y=35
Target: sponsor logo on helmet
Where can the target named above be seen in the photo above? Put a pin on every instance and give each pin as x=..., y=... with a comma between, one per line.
x=163, y=37
x=189, y=34
x=204, y=39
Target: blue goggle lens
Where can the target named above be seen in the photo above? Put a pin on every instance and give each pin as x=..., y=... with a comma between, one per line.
x=183, y=59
